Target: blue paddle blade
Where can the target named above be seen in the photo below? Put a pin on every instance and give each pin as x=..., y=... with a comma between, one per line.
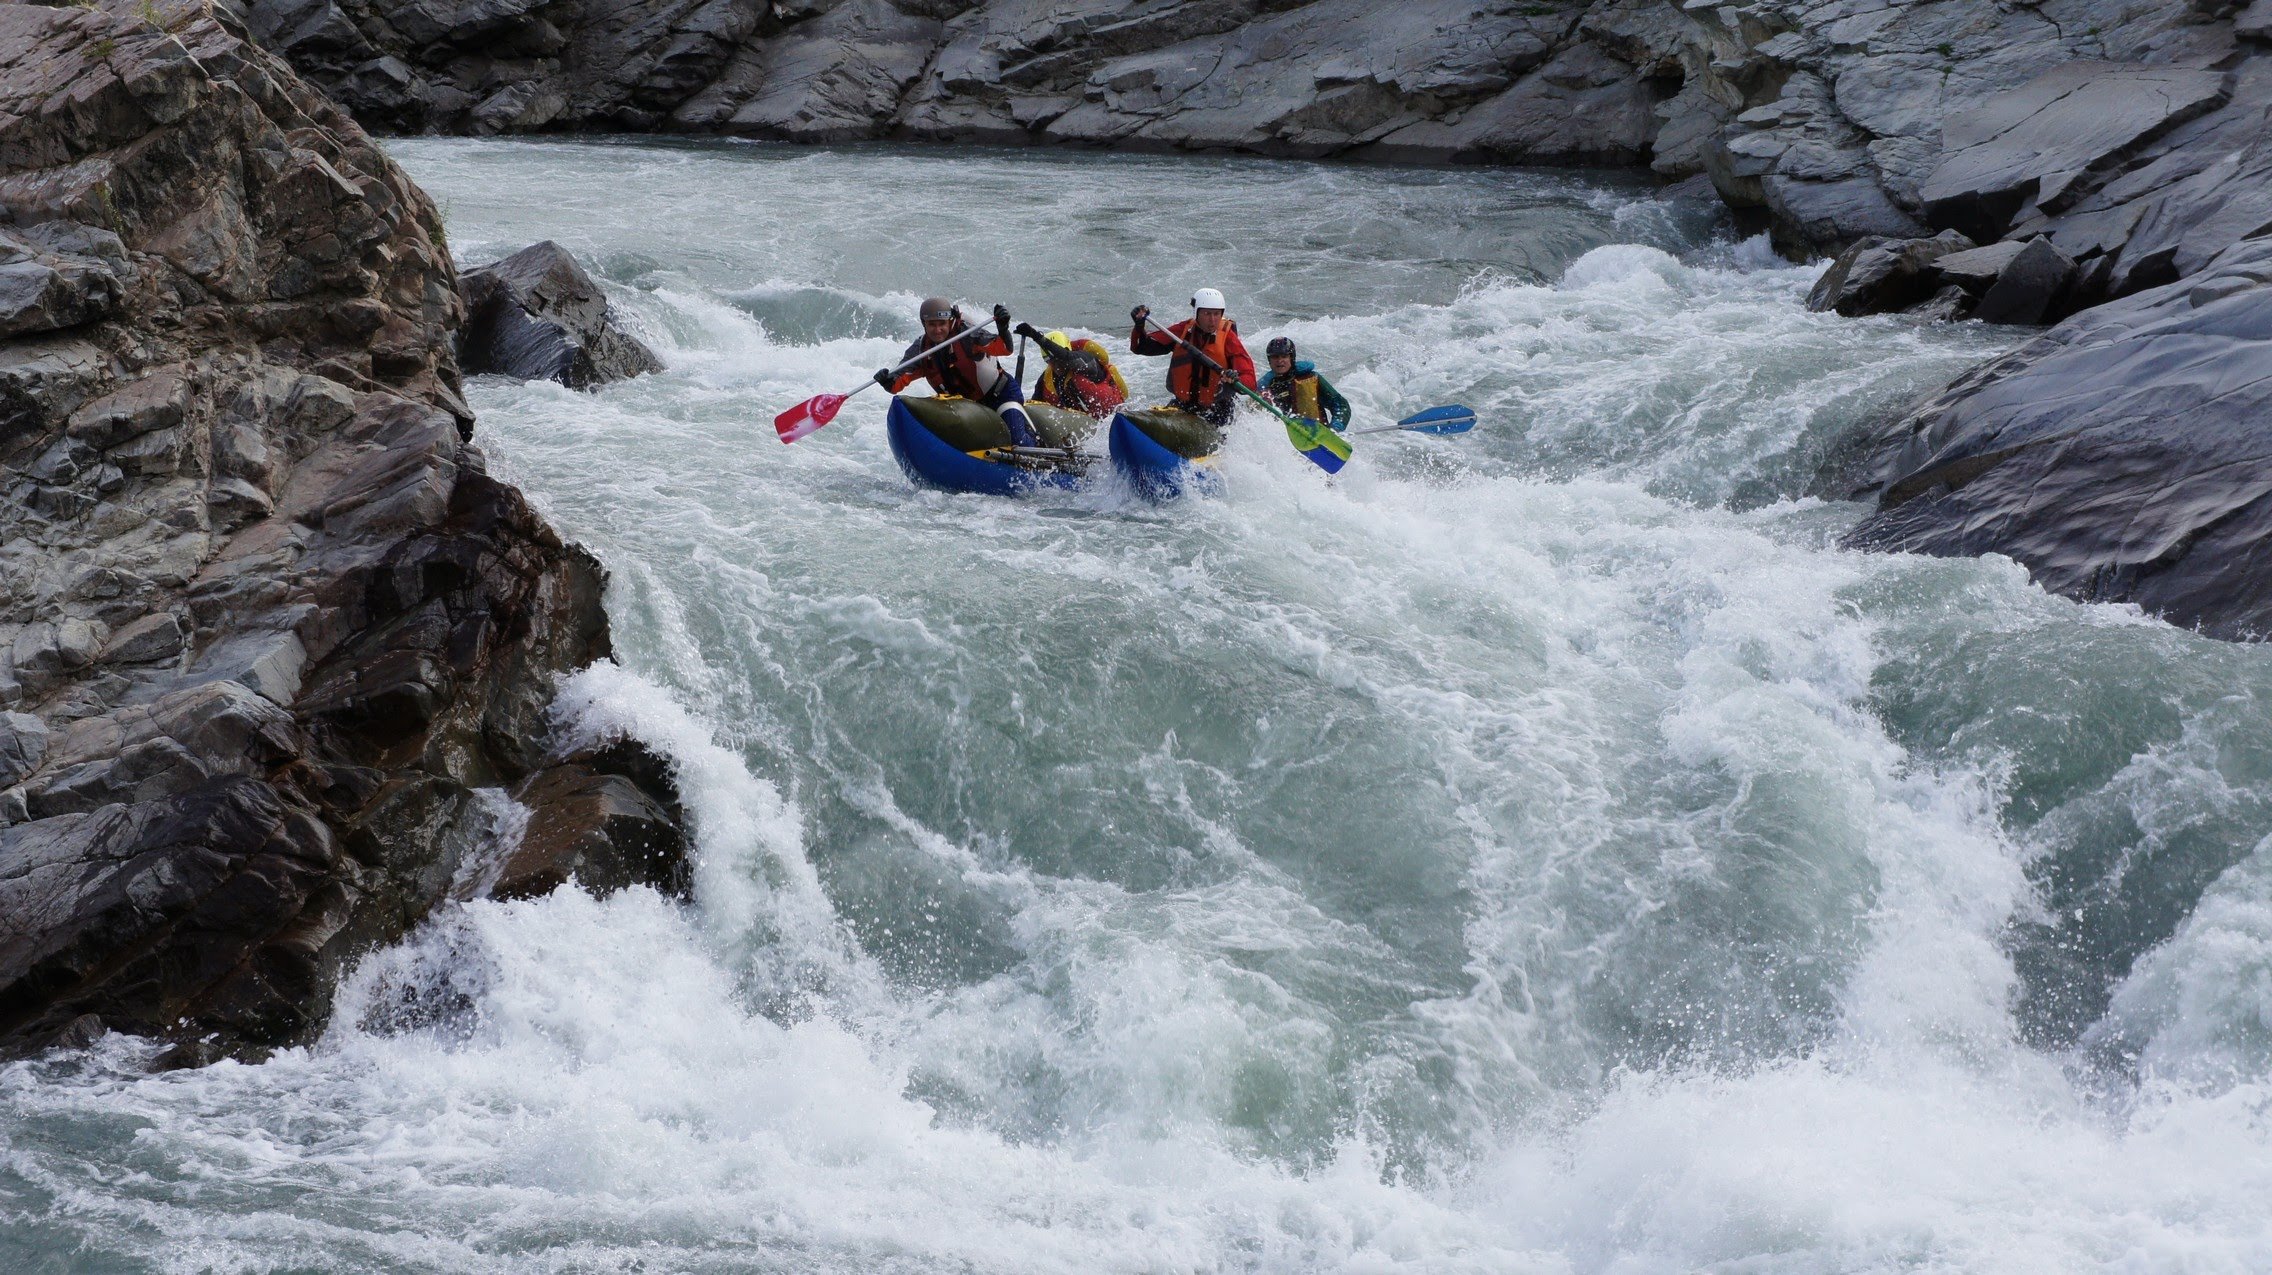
x=1448, y=419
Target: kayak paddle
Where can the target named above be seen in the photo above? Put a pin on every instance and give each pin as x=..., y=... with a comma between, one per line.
x=820, y=409
x=1325, y=448
x=1448, y=419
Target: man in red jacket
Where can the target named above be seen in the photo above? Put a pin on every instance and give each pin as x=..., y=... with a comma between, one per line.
x=1199, y=389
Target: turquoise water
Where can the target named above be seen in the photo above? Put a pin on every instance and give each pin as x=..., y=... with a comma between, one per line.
x=1540, y=850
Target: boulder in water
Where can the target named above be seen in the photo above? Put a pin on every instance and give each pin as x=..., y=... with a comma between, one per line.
x=2120, y=457
x=1878, y=275
x=2028, y=286
x=592, y=824
x=538, y=316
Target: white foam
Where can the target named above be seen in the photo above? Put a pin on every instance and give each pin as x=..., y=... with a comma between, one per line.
x=1502, y=857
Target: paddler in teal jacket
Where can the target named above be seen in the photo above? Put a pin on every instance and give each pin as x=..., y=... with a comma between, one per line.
x=1297, y=388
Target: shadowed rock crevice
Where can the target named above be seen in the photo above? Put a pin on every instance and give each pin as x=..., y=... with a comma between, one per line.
x=268, y=630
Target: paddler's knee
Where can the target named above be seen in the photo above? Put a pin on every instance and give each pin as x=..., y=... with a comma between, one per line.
x=1022, y=431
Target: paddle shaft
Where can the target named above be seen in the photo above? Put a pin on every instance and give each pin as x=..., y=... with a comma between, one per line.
x=969, y=331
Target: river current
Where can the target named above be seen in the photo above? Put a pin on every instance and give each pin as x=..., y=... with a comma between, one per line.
x=1536, y=851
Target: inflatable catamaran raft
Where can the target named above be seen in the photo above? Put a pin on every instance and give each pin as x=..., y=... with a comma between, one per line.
x=955, y=444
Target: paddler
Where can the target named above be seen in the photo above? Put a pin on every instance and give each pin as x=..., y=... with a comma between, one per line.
x=970, y=368
x=1297, y=388
x=1079, y=377
x=1198, y=388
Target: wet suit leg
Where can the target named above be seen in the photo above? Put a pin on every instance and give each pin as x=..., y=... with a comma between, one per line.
x=1008, y=401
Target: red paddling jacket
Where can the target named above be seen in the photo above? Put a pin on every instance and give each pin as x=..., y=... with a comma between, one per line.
x=1067, y=388
x=1196, y=386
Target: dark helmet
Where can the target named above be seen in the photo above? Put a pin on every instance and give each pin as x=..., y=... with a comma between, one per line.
x=1279, y=345
x=936, y=309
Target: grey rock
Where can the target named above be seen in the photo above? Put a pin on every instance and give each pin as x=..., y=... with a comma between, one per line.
x=1823, y=214
x=2049, y=140
x=2255, y=23
x=59, y=275
x=537, y=316
x=23, y=742
x=1976, y=268
x=2028, y=286
x=1879, y=276
x=1946, y=306
x=266, y=622
x=153, y=637
x=2119, y=457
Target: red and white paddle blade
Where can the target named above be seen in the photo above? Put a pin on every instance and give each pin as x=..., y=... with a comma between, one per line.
x=807, y=416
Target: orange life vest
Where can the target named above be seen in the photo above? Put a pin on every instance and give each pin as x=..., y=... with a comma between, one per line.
x=1194, y=383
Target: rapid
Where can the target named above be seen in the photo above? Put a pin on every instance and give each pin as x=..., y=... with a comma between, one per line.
x=1536, y=851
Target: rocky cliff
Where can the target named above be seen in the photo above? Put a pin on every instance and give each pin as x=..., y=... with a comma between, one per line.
x=275, y=651
x=1835, y=118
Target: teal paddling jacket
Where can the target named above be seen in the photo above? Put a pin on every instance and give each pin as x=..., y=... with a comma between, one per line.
x=1288, y=397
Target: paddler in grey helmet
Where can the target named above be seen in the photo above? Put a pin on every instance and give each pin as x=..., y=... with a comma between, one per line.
x=971, y=368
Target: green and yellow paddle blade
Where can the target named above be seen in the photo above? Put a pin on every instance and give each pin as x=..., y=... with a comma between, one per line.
x=1326, y=449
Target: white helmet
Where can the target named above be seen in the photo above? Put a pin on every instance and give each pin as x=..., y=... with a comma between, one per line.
x=1207, y=299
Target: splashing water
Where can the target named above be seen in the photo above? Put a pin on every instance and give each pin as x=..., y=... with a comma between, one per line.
x=1533, y=851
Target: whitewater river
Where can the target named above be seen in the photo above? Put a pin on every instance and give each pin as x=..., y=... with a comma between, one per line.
x=1537, y=851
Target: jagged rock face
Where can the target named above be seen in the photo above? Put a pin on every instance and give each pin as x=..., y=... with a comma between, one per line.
x=2121, y=457
x=2136, y=134
x=2133, y=135
x=267, y=628
x=537, y=316
x=1435, y=79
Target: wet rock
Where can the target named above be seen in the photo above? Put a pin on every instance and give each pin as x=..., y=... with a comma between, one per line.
x=2120, y=457
x=1880, y=276
x=2028, y=286
x=266, y=623
x=537, y=316
x=601, y=830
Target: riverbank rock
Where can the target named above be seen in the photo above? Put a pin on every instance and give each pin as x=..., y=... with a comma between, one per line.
x=538, y=316
x=274, y=647
x=2121, y=457
x=2133, y=136
x=1880, y=275
x=1947, y=277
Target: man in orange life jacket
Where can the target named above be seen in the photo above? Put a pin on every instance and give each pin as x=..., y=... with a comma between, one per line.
x=1198, y=388
x=970, y=368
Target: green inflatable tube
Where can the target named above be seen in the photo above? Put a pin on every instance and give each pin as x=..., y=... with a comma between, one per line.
x=970, y=426
x=1177, y=430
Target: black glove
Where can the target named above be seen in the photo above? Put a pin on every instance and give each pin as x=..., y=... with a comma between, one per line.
x=1026, y=330
x=1002, y=323
x=883, y=377
x=1139, y=314
x=1087, y=365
